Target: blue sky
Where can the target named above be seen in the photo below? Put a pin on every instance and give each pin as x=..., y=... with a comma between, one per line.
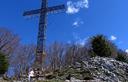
x=108, y=17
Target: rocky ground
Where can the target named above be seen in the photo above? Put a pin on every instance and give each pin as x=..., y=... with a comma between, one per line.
x=95, y=69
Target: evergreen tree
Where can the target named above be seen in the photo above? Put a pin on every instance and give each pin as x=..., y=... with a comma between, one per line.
x=101, y=46
x=122, y=56
x=3, y=63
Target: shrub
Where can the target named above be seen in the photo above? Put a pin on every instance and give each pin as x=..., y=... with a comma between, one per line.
x=3, y=63
x=101, y=46
x=122, y=56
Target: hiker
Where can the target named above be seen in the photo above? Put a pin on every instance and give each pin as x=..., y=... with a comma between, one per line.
x=30, y=74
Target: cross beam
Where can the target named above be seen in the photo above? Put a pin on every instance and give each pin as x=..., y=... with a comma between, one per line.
x=48, y=10
x=40, y=50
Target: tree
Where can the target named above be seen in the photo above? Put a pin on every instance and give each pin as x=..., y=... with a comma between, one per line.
x=55, y=55
x=76, y=53
x=101, y=46
x=122, y=56
x=8, y=41
x=3, y=63
x=22, y=58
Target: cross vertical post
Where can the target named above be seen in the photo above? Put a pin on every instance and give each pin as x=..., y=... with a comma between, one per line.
x=40, y=50
x=41, y=38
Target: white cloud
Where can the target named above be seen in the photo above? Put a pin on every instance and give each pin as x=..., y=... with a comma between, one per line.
x=120, y=42
x=126, y=50
x=82, y=4
x=71, y=8
x=113, y=38
x=69, y=42
x=81, y=41
x=74, y=7
x=75, y=36
x=77, y=23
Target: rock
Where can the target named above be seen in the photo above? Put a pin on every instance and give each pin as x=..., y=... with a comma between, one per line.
x=99, y=68
x=108, y=69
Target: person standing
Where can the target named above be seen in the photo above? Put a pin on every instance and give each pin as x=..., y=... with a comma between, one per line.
x=30, y=75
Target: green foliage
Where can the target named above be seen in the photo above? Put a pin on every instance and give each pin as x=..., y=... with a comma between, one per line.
x=122, y=56
x=91, y=53
x=102, y=47
x=3, y=63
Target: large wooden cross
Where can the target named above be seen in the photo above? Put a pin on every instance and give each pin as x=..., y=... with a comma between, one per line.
x=40, y=50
